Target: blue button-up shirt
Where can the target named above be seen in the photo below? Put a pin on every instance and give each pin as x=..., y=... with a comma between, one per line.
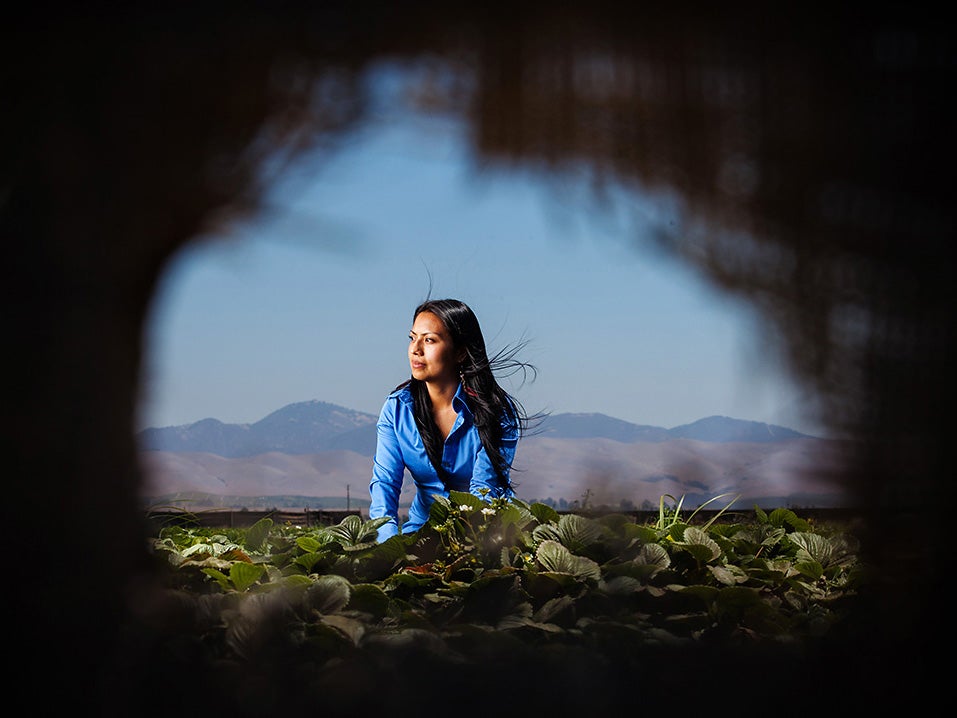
x=400, y=448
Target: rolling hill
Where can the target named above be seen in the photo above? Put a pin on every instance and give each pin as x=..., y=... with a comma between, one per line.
x=316, y=449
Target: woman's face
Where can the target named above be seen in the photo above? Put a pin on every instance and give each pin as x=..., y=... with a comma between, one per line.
x=432, y=356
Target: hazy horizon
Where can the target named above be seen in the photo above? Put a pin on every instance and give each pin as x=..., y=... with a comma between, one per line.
x=572, y=413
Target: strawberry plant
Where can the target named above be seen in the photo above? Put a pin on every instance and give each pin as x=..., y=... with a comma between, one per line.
x=502, y=577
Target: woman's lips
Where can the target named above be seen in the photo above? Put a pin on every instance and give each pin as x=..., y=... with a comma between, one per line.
x=417, y=365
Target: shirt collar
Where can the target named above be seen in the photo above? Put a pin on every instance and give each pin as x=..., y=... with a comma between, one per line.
x=458, y=401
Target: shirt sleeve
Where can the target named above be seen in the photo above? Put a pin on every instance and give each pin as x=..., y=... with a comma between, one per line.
x=483, y=473
x=388, y=469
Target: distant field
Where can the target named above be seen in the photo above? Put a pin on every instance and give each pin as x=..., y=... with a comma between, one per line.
x=201, y=502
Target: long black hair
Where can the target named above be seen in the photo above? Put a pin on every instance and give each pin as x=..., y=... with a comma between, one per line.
x=492, y=407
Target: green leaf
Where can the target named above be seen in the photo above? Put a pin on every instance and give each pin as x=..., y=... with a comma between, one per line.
x=348, y=627
x=653, y=554
x=221, y=578
x=773, y=537
x=307, y=561
x=384, y=558
x=812, y=546
x=513, y=515
x=352, y=532
x=439, y=510
x=728, y=575
x=562, y=579
x=780, y=517
x=257, y=533
x=645, y=534
x=236, y=554
x=572, y=531
x=328, y=640
x=329, y=594
x=519, y=617
x=772, y=572
x=735, y=600
x=554, y=557
x=369, y=598
x=491, y=597
x=296, y=580
x=810, y=568
x=517, y=513
x=554, y=608
x=243, y=575
x=364, y=545
x=309, y=544
x=544, y=513
x=699, y=545
x=199, y=548
x=676, y=531
x=464, y=498
x=622, y=585
x=707, y=594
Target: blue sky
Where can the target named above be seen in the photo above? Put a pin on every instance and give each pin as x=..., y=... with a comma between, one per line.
x=313, y=299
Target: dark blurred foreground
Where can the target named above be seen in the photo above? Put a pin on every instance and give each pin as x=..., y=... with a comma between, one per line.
x=809, y=152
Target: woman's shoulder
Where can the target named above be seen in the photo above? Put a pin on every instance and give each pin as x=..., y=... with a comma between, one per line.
x=398, y=402
x=402, y=393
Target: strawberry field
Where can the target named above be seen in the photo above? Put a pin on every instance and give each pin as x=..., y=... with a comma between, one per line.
x=554, y=610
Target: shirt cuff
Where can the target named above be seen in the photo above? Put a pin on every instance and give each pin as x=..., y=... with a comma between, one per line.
x=387, y=531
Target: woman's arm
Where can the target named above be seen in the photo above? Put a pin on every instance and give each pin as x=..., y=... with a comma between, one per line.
x=388, y=469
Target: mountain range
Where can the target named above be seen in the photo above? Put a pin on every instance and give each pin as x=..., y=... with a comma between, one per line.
x=318, y=449
x=311, y=427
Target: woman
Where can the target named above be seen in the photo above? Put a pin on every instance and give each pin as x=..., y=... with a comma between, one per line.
x=451, y=425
